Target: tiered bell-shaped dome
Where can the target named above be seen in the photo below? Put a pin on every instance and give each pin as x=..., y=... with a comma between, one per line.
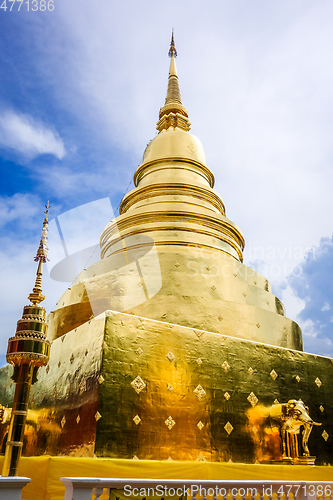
x=197, y=278
x=174, y=189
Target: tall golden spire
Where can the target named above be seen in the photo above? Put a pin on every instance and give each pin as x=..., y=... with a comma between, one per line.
x=173, y=113
x=28, y=350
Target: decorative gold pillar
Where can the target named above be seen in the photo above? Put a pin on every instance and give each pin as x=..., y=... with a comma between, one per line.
x=27, y=351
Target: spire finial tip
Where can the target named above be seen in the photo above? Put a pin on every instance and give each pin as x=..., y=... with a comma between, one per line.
x=172, y=49
x=47, y=206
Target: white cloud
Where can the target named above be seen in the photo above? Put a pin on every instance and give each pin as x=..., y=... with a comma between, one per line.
x=308, y=329
x=313, y=287
x=19, y=207
x=295, y=304
x=29, y=137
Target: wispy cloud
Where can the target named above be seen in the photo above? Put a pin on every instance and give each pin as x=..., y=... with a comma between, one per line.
x=19, y=207
x=313, y=285
x=30, y=137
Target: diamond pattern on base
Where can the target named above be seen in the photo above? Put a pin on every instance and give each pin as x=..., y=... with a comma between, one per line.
x=198, y=333
x=201, y=458
x=252, y=398
x=138, y=384
x=228, y=428
x=171, y=357
x=225, y=366
x=170, y=423
x=318, y=382
x=136, y=419
x=325, y=435
x=199, y=392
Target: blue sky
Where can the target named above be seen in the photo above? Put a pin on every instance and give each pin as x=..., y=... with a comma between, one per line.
x=80, y=90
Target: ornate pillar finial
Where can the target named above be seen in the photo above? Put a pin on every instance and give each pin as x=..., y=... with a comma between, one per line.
x=28, y=350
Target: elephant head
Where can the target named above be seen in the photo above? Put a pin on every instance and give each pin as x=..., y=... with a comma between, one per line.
x=294, y=415
x=297, y=413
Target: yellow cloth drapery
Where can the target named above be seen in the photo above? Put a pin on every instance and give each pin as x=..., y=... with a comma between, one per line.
x=45, y=472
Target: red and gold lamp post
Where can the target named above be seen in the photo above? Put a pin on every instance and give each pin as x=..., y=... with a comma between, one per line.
x=27, y=351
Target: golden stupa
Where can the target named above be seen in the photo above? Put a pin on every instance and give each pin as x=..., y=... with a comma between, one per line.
x=169, y=347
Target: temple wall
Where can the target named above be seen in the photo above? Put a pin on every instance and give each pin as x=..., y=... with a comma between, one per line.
x=192, y=401
x=194, y=376
x=64, y=401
